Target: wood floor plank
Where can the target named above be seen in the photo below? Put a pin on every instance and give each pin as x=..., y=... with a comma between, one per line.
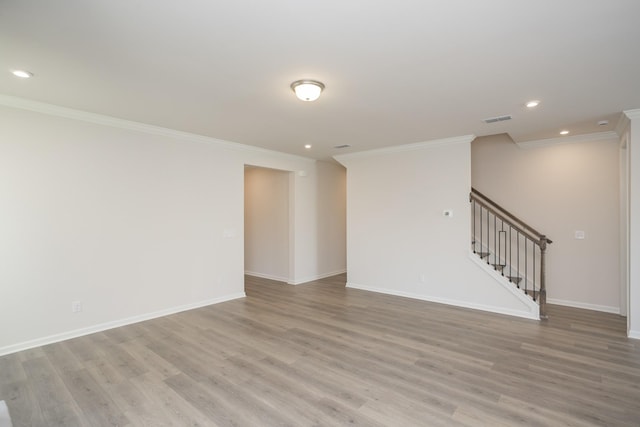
x=216, y=399
x=56, y=404
x=164, y=402
x=22, y=403
x=321, y=354
x=11, y=369
x=98, y=409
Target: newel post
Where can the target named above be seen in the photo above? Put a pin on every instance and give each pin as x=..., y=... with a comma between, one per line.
x=543, y=286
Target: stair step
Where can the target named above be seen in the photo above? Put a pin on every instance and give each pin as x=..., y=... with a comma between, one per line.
x=498, y=267
x=514, y=279
x=482, y=254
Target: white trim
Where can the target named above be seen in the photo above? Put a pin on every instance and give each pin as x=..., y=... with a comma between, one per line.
x=99, y=119
x=266, y=276
x=634, y=334
x=624, y=140
x=584, y=305
x=622, y=124
x=317, y=277
x=406, y=147
x=456, y=303
x=632, y=114
x=114, y=324
x=589, y=137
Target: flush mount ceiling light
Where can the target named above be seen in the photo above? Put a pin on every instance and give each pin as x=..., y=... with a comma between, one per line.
x=22, y=74
x=533, y=103
x=307, y=90
x=564, y=132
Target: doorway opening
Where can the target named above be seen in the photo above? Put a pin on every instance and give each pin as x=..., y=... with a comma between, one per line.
x=267, y=231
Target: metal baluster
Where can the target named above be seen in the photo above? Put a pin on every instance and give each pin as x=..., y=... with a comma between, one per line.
x=526, y=262
x=518, y=259
x=488, y=238
x=510, y=252
x=473, y=227
x=495, y=242
x=534, y=272
x=480, y=228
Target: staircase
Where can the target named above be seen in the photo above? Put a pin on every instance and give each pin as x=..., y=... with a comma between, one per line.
x=510, y=246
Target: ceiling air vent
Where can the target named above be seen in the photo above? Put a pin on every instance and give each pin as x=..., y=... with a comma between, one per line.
x=497, y=119
x=342, y=146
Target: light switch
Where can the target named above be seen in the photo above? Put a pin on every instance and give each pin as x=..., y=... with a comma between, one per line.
x=579, y=235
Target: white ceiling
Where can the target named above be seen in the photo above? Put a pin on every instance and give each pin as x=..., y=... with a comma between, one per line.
x=395, y=72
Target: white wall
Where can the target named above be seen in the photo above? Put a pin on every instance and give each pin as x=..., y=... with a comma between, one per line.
x=624, y=223
x=398, y=240
x=266, y=223
x=633, y=320
x=332, y=221
x=134, y=221
x=559, y=189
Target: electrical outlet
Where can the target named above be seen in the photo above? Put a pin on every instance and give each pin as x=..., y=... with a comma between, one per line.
x=76, y=307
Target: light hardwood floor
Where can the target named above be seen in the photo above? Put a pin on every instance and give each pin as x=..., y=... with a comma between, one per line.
x=321, y=355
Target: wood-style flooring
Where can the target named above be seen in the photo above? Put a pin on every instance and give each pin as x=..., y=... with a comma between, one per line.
x=322, y=355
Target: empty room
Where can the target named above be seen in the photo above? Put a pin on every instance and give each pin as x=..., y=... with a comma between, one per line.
x=319, y=214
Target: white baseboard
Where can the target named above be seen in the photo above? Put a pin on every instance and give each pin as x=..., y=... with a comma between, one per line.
x=114, y=324
x=266, y=276
x=317, y=277
x=584, y=305
x=634, y=334
x=294, y=282
x=456, y=303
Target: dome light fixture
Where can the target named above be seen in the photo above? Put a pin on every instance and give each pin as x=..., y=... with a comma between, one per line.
x=22, y=74
x=307, y=90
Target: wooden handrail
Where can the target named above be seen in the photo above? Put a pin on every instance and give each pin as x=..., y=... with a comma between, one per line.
x=501, y=212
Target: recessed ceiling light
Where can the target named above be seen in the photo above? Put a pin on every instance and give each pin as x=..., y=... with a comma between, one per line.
x=307, y=146
x=533, y=103
x=603, y=122
x=22, y=74
x=564, y=132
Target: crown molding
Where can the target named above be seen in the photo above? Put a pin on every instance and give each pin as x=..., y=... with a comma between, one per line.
x=406, y=147
x=632, y=114
x=114, y=122
x=589, y=137
x=623, y=124
x=625, y=120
